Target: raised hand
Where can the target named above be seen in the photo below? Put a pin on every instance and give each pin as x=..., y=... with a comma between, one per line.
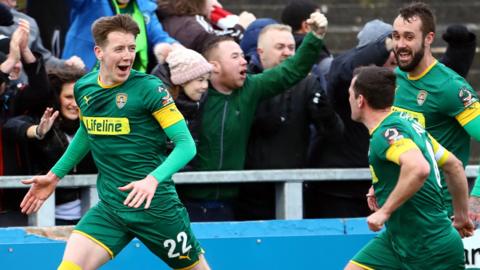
x=318, y=24
x=46, y=122
x=141, y=191
x=42, y=186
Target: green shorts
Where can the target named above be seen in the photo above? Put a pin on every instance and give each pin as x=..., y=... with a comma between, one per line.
x=167, y=235
x=379, y=254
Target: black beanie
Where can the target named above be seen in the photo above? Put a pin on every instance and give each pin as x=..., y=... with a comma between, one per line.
x=297, y=11
x=6, y=18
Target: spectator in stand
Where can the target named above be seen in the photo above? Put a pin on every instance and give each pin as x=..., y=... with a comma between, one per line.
x=186, y=75
x=250, y=38
x=280, y=134
x=35, y=41
x=233, y=96
x=295, y=14
x=16, y=99
x=152, y=37
x=49, y=135
x=188, y=22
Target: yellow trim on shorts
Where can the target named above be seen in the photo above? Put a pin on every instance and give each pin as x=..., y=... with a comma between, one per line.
x=68, y=265
x=399, y=147
x=470, y=113
x=190, y=266
x=168, y=115
x=361, y=265
x=96, y=241
x=202, y=251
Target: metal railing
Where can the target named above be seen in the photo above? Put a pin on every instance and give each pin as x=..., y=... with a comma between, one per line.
x=288, y=188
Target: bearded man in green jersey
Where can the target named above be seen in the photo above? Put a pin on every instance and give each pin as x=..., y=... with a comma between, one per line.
x=437, y=97
x=403, y=162
x=126, y=118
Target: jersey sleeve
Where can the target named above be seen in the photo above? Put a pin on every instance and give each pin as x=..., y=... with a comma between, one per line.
x=460, y=101
x=391, y=142
x=160, y=103
x=441, y=154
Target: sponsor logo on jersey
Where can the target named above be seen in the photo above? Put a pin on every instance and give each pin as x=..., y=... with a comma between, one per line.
x=121, y=100
x=417, y=116
x=421, y=97
x=392, y=135
x=106, y=125
x=466, y=96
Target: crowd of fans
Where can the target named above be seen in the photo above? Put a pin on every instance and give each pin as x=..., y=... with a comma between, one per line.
x=256, y=114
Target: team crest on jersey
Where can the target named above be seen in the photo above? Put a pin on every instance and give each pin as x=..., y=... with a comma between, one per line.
x=466, y=96
x=392, y=135
x=121, y=100
x=421, y=97
x=167, y=98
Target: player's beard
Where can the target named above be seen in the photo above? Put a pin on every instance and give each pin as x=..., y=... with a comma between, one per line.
x=417, y=57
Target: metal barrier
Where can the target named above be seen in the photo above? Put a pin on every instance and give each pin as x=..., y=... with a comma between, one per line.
x=289, y=187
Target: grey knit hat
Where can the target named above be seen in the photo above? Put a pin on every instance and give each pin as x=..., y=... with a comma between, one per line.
x=372, y=31
x=186, y=65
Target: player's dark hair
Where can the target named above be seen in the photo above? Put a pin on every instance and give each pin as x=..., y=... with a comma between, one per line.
x=120, y=23
x=376, y=84
x=422, y=11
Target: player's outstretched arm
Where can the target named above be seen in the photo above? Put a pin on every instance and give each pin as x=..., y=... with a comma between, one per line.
x=414, y=170
x=457, y=186
x=42, y=186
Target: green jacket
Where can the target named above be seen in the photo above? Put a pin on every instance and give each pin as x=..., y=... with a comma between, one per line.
x=227, y=119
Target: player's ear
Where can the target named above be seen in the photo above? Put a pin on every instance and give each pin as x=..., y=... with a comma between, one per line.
x=360, y=101
x=429, y=38
x=98, y=52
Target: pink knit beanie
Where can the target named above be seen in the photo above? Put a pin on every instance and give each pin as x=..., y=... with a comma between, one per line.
x=186, y=65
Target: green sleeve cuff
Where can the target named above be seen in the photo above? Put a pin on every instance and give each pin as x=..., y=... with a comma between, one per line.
x=183, y=152
x=76, y=151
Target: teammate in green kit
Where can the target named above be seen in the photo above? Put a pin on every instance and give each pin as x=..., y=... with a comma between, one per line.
x=403, y=161
x=437, y=97
x=126, y=117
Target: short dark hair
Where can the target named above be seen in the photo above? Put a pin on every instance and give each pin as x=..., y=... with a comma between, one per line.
x=297, y=11
x=422, y=11
x=376, y=84
x=211, y=44
x=105, y=25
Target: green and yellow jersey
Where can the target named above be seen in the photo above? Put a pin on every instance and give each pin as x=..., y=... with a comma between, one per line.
x=443, y=103
x=422, y=219
x=125, y=125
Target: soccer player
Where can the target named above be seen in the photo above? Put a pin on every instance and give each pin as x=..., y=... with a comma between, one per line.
x=403, y=162
x=437, y=97
x=125, y=118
